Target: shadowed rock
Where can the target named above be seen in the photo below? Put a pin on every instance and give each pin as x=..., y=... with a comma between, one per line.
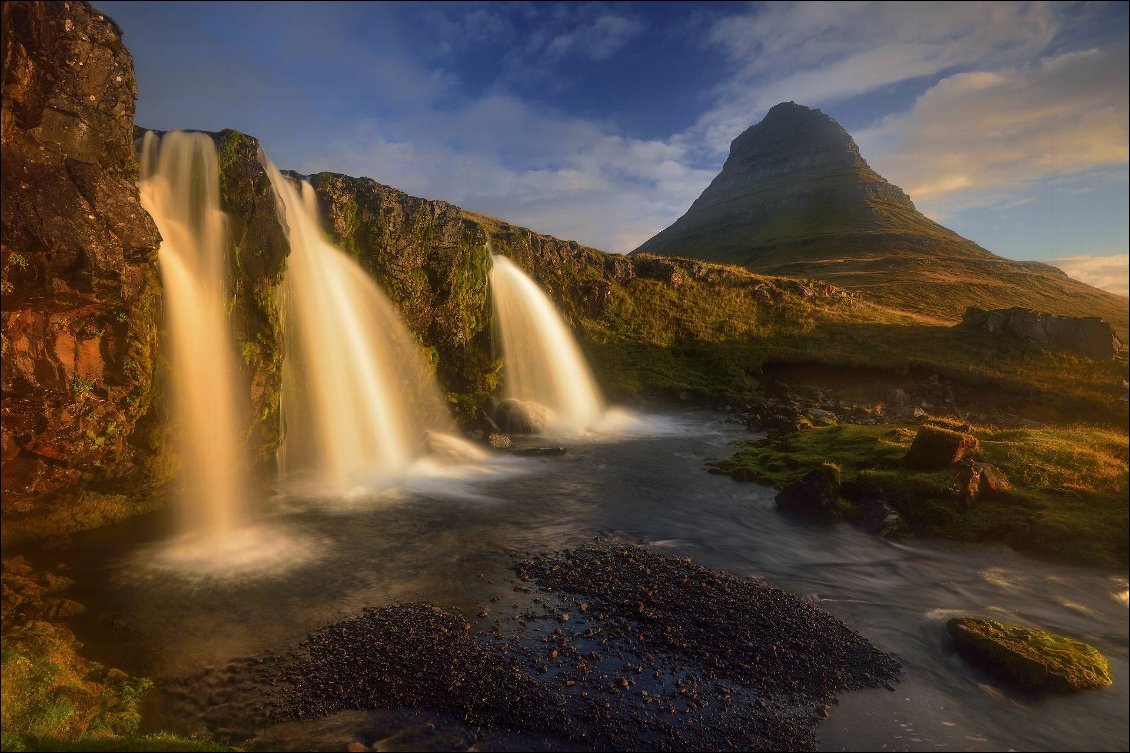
x=1088, y=336
x=814, y=496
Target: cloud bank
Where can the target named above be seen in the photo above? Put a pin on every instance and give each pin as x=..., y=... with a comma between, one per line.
x=1104, y=272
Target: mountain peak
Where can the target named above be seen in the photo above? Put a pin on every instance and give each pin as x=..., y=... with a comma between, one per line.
x=796, y=198
x=795, y=176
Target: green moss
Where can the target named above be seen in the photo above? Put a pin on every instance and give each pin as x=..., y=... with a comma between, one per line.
x=50, y=692
x=1067, y=501
x=1030, y=656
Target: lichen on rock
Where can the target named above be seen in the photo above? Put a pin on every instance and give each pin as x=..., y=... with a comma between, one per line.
x=1029, y=656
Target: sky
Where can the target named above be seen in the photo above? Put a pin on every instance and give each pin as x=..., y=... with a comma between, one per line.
x=602, y=122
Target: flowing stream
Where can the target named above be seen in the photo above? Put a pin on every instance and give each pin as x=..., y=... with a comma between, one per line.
x=447, y=541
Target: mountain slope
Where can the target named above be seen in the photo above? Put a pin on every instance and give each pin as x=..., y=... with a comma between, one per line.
x=796, y=198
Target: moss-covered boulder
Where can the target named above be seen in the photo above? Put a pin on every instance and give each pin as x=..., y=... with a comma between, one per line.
x=935, y=448
x=1028, y=656
x=815, y=496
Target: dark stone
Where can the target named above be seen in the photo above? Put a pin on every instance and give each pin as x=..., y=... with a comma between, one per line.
x=872, y=512
x=515, y=416
x=814, y=496
x=537, y=451
x=935, y=448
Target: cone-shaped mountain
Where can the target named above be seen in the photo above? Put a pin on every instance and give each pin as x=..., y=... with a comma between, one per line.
x=796, y=198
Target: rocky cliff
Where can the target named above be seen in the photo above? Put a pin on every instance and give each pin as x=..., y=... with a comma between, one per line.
x=80, y=289
x=85, y=429
x=796, y=198
x=433, y=260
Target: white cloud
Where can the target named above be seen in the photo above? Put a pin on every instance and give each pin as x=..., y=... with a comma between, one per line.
x=598, y=40
x=820, y=53
x=1104, y=272
x=499, y=156
x=1006, y=129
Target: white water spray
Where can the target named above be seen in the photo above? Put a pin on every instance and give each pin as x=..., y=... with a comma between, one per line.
x=358, y=398
x=542, y=361
x=180, y=188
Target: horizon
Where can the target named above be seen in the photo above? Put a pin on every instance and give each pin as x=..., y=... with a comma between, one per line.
x=602, y=123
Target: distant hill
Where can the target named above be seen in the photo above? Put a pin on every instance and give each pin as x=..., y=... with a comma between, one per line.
x=796, y=198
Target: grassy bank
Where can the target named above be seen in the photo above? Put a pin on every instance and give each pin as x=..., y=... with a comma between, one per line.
x=1067, y=501
x=713, y=341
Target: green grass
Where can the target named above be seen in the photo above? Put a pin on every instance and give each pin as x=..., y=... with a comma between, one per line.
x=711, y=340
x=1068, y=499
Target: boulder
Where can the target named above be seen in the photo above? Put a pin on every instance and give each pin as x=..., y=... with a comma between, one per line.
x=1088, y=336
x=1028, y=656
x=515, y=416
x=814, y=496
x=935, y=448
x=872, y=512
x=976, y=480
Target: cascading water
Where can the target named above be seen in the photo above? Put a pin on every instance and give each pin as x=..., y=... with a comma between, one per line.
x=543, y=364
x=358, y=399
x=180, y=188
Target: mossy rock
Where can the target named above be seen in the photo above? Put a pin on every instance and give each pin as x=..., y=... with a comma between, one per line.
x=1030, y=656
x=935, y=448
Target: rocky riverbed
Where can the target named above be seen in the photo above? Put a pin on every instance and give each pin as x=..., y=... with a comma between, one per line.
x=606, y=646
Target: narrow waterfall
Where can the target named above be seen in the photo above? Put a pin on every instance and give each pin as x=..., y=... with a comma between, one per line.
x=358, y=399
x=543, y=363
x=180, y=188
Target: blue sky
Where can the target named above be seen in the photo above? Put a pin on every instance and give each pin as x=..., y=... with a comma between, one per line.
x=602, y=122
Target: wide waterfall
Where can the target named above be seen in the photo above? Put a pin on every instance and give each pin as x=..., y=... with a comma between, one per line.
x=180, y=188
x=542, y=361
x=359, y=401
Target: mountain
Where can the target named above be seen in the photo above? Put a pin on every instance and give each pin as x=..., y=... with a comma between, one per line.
x=796, y=198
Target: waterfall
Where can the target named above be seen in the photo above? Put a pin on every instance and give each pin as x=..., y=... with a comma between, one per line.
x=180, y=188
x=542, y=361
x=359, y=401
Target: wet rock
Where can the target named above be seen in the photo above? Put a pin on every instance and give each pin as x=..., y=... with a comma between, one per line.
x=814, y=496
x=935, y=448
x=521, y=416
x=356, y=747
x=1029, y=656
x=538, y=451
x=873, y=514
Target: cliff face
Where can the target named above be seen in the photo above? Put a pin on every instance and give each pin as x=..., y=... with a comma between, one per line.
x=259, y=247
x=796, y=198
x=80, y=289
x=433, y=260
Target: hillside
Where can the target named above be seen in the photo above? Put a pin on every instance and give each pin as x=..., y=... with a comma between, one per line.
x=796, y=198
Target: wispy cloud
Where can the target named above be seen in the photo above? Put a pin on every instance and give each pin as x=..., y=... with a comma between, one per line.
x=453, y=101
x=1104, y=272
x=1007, y=128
